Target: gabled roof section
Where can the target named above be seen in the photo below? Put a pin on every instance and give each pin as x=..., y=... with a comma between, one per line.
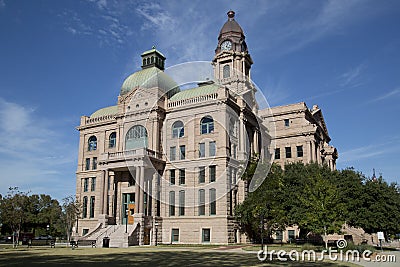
x=319, y=118
x=112, y=110
x=197, y=91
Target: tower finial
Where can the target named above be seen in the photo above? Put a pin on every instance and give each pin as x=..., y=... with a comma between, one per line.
x=231, y=14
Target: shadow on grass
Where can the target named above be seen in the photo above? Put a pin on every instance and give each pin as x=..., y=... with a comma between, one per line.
x=137, y=258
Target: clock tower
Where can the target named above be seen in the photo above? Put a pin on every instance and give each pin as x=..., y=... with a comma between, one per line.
x=232, y=61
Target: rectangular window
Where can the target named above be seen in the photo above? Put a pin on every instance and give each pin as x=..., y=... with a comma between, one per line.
x=202, y=200
x=108, y=205
x=171, y=203
x=92, y=207
x=85, y=184
x=212, y=173
x=181, y=203
x=234, y=151
x=279, y=235
x=291, y=235
x=202, y=150
x=287, y=122
x=288, y=151
x=202, y=175
x=213, y=201
x=94, y=164
x=108, y=183
x=182, y=176
x=84, y=207
x=93, y=185
x=87, y=167
x=172, y=153
x=182, y=151
x=212, y=149
x=277, y=153
x=175, y=235
x=206, y=237
x=172, y=176
x=299, y=151
x=85, y=231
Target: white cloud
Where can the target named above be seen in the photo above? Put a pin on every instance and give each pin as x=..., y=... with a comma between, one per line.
x=392, y=93
x=352, y=76
x=32, y=153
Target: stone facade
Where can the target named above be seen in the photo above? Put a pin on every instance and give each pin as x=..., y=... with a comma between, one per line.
x=164, y=164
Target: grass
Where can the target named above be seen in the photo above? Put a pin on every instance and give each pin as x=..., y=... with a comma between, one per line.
x=138, y=256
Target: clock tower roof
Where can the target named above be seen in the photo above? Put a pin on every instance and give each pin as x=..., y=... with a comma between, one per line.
x=231, y=26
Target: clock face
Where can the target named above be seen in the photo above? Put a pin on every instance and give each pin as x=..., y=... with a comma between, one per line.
x=226, y=45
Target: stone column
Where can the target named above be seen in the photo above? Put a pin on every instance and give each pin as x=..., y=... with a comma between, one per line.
x=137, y=189
x=141, y=189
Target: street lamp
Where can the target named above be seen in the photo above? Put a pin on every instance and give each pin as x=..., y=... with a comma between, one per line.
x=156, y=225
x=262, y=231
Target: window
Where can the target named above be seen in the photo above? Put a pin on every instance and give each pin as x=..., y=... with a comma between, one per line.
x=212, y=149
x=205, y=233
x=94, y=167
x=279, y=235
x=277, y=153
x=113, y=140
x=212, y=173
x=202, y=200
x=234, y=151
x=288, y=151
x=181, y=203
x=91, y=207
x=87, y=167
x=226, y=71
x=202, y=175
x=84, y=207
x=299, y=151
x=172, y=176
x=178, y=130
x=175, y=235
x=108, y=183
x=93, y=184
x=182, y=152
x=136, y=137
x=287, y=122
x=85, y=231
x=232, y=127
x=85, y=184
x=172, y=153
x=207, y=125
x=182, y=176
x=171, y=203
x=92, y=144
x=213, y=201
x=291, y=235
x=202, y=150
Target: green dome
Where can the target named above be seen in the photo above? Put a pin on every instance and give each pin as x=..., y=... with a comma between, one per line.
x=149, y=78
x=105, y=111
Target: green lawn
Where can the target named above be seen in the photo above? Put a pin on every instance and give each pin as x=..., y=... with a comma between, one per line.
x=138, y=256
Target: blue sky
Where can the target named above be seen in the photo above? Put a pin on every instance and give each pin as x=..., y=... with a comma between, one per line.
x=63, y=59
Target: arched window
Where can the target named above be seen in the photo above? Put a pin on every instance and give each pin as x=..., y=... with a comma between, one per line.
x=144, y=61
x=213, y=201
x=226, y=71
x=113, y=140
x=148, y=61
x=92, y=143
x=136, y=137
x=152, y=60
x=207, y=125
x=178, y=130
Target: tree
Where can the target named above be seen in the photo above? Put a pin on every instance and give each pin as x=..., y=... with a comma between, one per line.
x=323, y=208
x=71, y=210
x=264, y=202
x=12, y=211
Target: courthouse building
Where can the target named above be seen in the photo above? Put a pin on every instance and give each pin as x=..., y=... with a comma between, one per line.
x=163, y=165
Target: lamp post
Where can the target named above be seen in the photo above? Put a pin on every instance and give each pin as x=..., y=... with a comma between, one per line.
x=262, y=231
x=156, y=225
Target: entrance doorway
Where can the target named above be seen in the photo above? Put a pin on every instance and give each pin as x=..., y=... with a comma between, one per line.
x=128, y=207
x=146, y=237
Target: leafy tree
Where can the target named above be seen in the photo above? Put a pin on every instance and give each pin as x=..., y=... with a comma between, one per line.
x=71, y=210
x=12, y=211
x=264, y=202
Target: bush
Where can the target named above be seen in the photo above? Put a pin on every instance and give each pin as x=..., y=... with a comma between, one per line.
x=359, y=248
